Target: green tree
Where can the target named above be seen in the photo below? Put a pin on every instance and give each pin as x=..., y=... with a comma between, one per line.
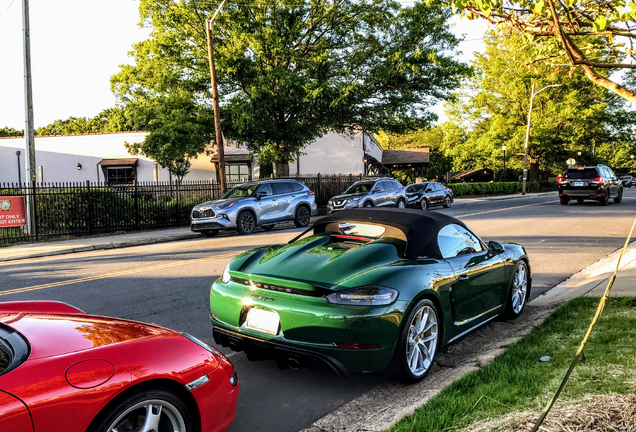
x=179, y=131
x=109, y=120
x=575, y=116
x=589, y=35
x=10, y=132
x=292, y=70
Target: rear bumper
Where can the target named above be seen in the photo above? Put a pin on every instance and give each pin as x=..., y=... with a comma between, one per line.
x=310, y=326
x=587, y=193
x=246, y=343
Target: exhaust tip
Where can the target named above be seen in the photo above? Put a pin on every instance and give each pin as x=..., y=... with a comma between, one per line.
x=293, y=363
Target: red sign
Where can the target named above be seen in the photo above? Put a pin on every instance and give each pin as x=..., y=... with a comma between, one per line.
x=12, y=211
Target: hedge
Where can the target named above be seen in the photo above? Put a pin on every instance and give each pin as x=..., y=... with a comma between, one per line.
x=499, y=188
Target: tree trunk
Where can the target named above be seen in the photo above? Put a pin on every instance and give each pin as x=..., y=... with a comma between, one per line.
x=282, y=168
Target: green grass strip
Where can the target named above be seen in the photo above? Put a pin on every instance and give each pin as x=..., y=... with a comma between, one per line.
x=518, y=380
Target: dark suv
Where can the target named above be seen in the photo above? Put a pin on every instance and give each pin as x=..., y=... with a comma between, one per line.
x=596, y=183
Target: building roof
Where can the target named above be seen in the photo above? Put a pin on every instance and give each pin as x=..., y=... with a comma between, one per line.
x=118, y=162
x=80, y=134
x=406, y=157
x=245, y=157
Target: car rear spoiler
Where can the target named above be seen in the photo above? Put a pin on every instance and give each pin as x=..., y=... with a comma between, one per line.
x=39, y=307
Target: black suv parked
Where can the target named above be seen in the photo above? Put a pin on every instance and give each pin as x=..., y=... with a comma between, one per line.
x=424, y=195
x=590, y=183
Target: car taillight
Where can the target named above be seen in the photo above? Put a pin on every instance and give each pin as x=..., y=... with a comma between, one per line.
x=580, y=169
x=561, y=180
x=598, y=180
x=311, y=193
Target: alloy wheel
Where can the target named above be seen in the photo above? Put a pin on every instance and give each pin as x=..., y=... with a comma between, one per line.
x=447, y=202
x=247, y=222
x=519, y=289
x=422, y=341
x=149, y=416
x=303, y=216
x=424, y=204
x=401, y=204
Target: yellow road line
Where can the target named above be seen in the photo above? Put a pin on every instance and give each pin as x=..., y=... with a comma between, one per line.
x=503, y=209
x=115, y=274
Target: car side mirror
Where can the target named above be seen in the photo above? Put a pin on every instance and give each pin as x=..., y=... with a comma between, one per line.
x=429, y=190
x=495, y=248
x=375, y=190
x=260, y=195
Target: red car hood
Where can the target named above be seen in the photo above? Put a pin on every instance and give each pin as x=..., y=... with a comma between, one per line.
x=57, y=334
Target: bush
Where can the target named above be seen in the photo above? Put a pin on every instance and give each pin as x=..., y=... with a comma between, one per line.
x=500, y=188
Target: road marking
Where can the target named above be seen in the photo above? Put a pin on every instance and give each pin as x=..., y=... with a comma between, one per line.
x=503, y=209
x=115, y=274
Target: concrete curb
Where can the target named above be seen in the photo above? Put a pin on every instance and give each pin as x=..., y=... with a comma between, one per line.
x=105, y=246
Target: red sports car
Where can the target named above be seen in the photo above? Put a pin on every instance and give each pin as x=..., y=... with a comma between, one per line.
x=62, y=370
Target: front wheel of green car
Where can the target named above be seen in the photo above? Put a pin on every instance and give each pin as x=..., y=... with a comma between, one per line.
x=417, y=344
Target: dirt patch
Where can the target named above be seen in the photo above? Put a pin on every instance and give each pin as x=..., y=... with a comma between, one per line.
x=388, y=403
x=602, y=413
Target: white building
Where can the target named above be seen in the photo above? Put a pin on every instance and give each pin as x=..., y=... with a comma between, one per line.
x=103, y=157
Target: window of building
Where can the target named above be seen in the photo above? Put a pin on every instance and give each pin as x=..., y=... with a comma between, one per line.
x=236, y=173
x=120, y=175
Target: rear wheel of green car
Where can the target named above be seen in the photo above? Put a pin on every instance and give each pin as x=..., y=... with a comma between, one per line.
x=605, y=199
x=619, y=198
x=417, y=344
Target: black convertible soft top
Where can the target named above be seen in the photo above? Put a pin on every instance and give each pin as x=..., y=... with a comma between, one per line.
x=420, y=228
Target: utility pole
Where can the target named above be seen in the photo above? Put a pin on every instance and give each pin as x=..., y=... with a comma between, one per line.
x=29, y=133
x=215, y=98
x=525, y=151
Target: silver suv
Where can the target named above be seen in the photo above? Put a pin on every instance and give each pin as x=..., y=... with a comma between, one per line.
x=248, y=205
x=370, y=193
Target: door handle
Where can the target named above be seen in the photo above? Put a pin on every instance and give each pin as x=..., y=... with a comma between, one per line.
x=462, y=277
x=274, y=199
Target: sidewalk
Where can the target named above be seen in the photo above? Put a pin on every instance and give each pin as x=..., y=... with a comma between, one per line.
x=115, y=241
x=592, y=280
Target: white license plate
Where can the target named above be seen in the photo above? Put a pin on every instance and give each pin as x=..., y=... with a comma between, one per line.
x=578, y=183
x=262, y=321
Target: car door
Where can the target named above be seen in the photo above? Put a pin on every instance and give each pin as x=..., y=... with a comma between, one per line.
x=387, y=198
x=266, y=204
x=433, y=193
x=616, y=183
x=14, y=415
x=282, y=194
x=480, y=288
x=377, y=194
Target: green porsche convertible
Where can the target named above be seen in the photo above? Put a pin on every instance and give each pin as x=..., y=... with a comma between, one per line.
x=369, y=290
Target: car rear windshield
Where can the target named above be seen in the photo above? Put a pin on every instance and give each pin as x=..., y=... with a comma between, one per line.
x=416, y=188
x=240, y=191
x=362, y=229
x=586, y=173
x=4, y=358
x=360, y=188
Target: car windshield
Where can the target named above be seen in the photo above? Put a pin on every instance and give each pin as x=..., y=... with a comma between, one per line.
x=240, y=191
x=360, y=188
x=416, y=188
x=585, y=173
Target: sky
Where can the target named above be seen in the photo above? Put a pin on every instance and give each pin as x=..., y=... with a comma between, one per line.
x=77, y=45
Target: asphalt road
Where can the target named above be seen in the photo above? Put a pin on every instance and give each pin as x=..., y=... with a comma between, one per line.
x=168, y=284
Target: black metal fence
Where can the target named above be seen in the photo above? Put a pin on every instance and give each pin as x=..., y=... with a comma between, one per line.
x=82, y=209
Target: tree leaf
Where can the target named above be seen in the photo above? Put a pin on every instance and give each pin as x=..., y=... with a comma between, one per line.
x=600, y=23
